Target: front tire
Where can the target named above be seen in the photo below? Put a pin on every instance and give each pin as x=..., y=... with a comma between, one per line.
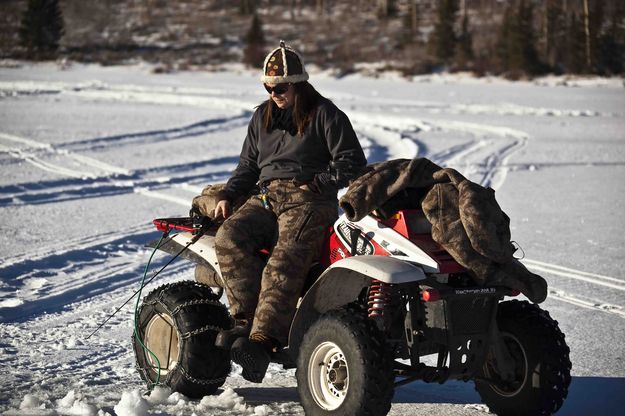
x=541, y=363
x=178, y=322
x=343, y=368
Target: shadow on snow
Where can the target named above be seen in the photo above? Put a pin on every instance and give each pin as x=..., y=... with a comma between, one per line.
x=53, y=298
x=595, y=396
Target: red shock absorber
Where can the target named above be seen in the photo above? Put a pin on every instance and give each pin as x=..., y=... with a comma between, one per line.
x=380, y=295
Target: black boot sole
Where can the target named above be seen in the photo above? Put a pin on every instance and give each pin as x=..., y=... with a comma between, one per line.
x=253, y=369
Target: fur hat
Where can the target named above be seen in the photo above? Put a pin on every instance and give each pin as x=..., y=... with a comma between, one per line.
x=283, y=64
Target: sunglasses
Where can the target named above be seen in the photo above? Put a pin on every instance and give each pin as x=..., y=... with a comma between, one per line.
x=278, y=89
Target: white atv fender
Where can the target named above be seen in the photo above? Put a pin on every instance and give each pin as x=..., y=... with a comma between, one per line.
x=342, y=283
x=200, y=252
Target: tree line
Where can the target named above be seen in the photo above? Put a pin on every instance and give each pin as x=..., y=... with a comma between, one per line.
x=514, y=38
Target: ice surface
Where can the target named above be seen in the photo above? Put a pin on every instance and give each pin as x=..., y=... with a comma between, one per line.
x=89, y=155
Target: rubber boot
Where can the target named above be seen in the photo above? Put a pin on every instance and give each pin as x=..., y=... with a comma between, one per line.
x=252, y=354
x=226, y=337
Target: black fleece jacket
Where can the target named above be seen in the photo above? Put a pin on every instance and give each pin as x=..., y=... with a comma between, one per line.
x=280, y=153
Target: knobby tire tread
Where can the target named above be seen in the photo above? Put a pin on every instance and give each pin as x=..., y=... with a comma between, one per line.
x=374, y=357
x=540, y=332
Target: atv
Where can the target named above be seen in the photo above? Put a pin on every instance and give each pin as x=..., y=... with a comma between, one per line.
x=382, y=297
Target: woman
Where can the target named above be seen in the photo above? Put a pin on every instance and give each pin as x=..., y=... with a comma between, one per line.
x=299, y=150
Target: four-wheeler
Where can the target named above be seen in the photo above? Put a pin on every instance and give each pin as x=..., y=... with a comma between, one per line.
x=383, y=296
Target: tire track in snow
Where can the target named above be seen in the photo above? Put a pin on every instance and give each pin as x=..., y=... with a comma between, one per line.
x=165, y=197
x=598, y=279
x=486, y=156
x=90, y=183
x=196, y=97
x=210, y=126
x=584, y=301
x=594, y=305
x=32, y=151
x=386, y=143
x=496, y=169
x=80, y=188
x=88, y=268
x=201, y=97
x=81, y=270
x=378, y=103
x=220, y=98
x=457, y=152
x=66, y=245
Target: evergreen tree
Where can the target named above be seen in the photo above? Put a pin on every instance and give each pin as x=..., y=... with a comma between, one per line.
x=516, y=47
x=611, y=48
x=41, y=28
x=247, y=7
x=611, y=53
x=409, y=32
x=555, y=34
x=575, y=55
x=443, y=39
x=596, y=30
x=504, y=45
x=529, y=61
x=254, y=53
x=465, y=44
x=386, y=8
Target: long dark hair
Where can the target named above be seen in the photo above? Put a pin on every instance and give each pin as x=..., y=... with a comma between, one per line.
x=305, y=103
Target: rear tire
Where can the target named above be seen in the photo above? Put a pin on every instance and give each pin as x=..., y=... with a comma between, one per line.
x=542, y=364
x=178, y=322
x=343, y=367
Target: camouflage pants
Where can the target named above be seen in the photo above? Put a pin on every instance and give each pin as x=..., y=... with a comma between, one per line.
x=294, y=229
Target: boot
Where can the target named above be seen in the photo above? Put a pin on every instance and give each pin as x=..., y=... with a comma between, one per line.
x=226, y=337
x=252, y=354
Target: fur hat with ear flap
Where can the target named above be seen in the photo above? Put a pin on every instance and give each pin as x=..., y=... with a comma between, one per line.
x=283, y=64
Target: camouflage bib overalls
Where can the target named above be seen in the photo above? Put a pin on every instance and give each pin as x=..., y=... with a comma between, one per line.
x=292, y=224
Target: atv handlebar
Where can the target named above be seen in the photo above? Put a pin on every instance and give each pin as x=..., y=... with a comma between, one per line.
x=192, y=224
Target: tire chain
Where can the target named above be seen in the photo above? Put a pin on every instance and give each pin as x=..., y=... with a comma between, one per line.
x=194, y=289
x=204, y=382
x=196, y=302
x=198, y=331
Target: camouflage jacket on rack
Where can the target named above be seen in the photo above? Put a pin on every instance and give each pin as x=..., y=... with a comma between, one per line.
x=466, y=219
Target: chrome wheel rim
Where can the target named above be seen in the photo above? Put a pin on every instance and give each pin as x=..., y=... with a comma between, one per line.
x=328, y=376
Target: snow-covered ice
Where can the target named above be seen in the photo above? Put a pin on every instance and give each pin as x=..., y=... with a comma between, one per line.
x=89, y=155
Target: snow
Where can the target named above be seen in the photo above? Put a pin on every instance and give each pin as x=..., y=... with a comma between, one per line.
x=89, y=155
x=72, y=404
x=132, y=403
x=29, y=402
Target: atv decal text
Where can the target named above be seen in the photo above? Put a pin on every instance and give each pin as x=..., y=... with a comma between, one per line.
x=479, y=291
x=363, y=245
